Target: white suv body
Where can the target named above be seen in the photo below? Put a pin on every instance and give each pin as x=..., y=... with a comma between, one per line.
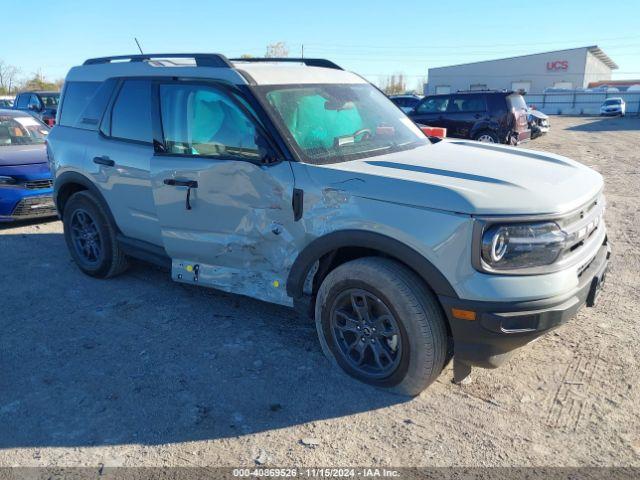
x=613, y=106
x=299, y=183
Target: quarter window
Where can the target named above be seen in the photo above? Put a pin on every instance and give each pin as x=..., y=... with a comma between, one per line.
x=77, y=96
x=131, y=115
x=203, y=121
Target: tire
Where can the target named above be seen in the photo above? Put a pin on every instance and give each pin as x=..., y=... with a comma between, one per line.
x=486, y=136
x=416, y=354
x=91, y=237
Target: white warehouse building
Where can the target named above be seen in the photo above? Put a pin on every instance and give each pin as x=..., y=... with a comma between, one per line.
x=566, y=69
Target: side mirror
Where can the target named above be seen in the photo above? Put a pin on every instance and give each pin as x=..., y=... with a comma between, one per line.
x=267, y=154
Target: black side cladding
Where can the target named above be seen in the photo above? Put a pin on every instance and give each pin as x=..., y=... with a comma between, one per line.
x=372, y=241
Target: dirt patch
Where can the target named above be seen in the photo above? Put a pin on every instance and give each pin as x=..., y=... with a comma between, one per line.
x=139, y=370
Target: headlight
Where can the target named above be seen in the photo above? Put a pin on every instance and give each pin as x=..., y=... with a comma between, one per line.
x=524, y=245
x=7, y=180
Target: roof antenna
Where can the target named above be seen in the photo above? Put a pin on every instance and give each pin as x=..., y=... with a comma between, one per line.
x=139, y=47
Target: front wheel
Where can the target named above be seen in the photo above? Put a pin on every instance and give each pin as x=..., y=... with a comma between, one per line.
x=378, y=322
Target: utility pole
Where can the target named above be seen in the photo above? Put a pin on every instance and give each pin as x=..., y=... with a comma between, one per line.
x=302, y=51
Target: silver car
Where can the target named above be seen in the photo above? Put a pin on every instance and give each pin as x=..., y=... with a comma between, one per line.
x=295, y=182
x=613, y=106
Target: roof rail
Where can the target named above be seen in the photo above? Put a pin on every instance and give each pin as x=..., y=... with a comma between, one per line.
x=309, y=62
x=201, y=59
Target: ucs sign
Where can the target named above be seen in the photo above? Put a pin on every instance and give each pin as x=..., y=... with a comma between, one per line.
x=558, y=65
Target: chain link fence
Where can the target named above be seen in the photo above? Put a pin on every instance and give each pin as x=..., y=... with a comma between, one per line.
x=575, y=102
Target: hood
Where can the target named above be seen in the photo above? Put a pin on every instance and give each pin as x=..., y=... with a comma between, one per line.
x=468, y=177
x=22, y=154
x=537, y=114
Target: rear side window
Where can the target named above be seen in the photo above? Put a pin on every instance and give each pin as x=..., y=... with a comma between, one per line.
x=131, y=115
x=434, y=105
x=77, y=96
x=467, y=103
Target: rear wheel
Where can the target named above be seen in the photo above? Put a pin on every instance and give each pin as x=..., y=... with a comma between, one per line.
x=378, y=322
x=91, y=238
x=486, y=136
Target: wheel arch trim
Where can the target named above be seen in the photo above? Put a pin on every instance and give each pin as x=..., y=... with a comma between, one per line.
x=330, y=242
x=68, y=178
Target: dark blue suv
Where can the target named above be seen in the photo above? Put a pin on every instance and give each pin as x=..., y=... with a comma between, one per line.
x=486, y=116
x=41, y=104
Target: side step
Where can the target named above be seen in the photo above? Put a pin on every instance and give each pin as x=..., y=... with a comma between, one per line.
x=145, y=251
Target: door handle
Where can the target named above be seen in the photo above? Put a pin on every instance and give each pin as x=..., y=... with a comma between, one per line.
x=183, y=183
x=104, y=160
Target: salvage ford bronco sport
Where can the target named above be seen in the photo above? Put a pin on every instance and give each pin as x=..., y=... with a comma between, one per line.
x=295, y=182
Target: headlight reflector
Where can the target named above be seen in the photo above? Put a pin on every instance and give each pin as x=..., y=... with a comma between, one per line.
x=522, y=245
x=4, y=180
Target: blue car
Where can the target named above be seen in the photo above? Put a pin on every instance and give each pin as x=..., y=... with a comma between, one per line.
x=26, y=186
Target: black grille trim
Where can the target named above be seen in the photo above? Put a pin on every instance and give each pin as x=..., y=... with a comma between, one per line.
x=38, y=184
x=24, y=207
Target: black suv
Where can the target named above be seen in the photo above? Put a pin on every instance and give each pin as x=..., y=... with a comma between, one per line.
x=486, y=116
x=41, y=104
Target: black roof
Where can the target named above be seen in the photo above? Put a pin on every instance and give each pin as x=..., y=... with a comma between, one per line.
x=211, y=60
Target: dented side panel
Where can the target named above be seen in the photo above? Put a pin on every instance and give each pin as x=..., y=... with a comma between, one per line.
x=240, y=235
x=340, y=200
x=240, y=231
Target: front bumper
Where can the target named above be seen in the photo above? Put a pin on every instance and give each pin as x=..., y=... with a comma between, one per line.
x=30, y=207
x=17, y=203
x=30, y=197
x=501, y=327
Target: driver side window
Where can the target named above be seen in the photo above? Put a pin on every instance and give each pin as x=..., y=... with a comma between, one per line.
x=199, y=120
x=34, y=102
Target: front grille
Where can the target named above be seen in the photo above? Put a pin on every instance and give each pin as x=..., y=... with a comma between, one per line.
x=582, y=228
x=29, y=207
x=38, y=184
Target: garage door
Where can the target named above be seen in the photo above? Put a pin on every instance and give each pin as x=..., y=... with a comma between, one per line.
x=524, y=86
x=443, y=89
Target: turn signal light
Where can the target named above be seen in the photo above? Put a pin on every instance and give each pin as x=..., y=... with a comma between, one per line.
x=463, y=314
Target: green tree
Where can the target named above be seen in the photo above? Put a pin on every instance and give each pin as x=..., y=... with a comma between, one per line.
x=8, y=78
x=39, y=82
x=394, y=84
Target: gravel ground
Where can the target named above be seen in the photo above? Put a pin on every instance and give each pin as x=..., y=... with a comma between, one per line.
x=138, y=370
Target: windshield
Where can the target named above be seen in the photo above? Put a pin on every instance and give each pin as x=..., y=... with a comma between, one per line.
x=612, y=102
x=50, y=100
x=21, y=131
x=336, y=123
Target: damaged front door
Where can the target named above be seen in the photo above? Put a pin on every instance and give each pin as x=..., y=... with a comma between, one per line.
x=226, y=218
